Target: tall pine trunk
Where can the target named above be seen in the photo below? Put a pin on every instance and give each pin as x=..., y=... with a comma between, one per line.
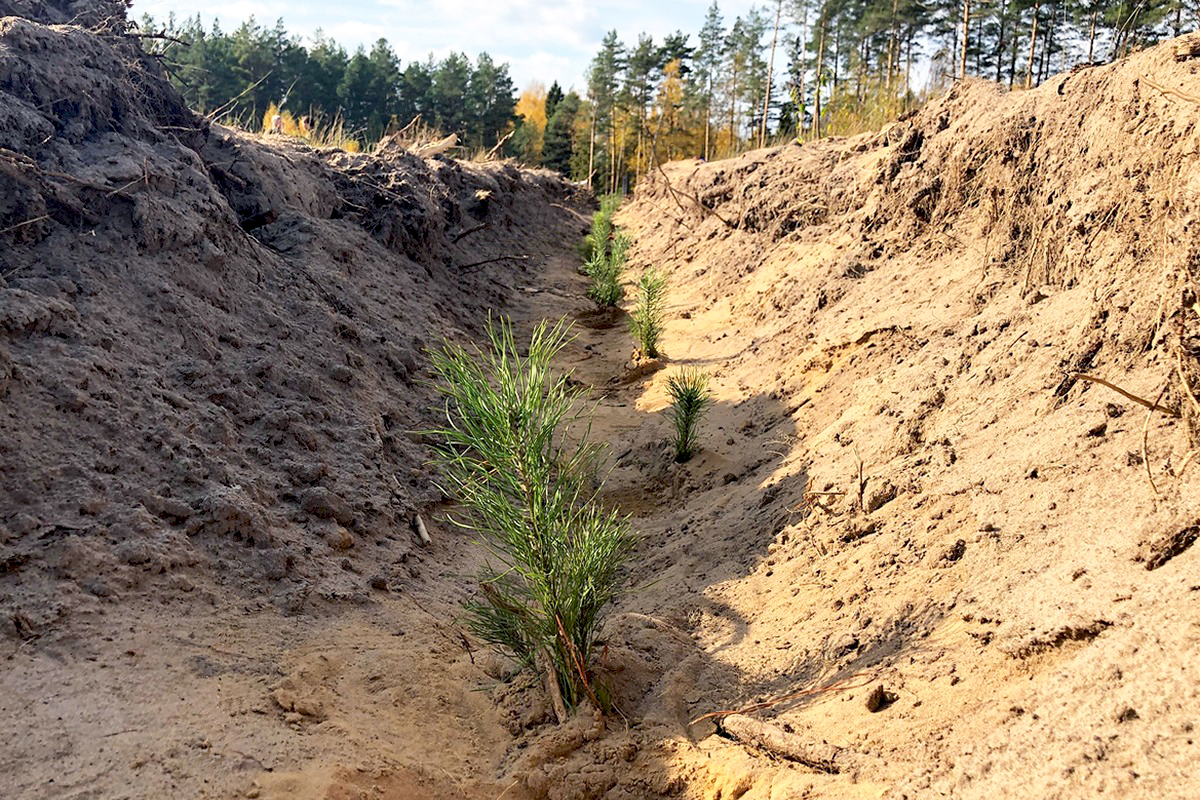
x=1037, y=7
x=762, y=138
x=893, y=56
x=707, y=119
x=1091, y=37
x=1000, y=41
x=966, y=38
x=820, y=73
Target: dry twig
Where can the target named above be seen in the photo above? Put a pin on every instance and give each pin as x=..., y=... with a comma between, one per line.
x=12, y=228
x=1146, y=441
x=492, y=153
x=492, y=261
x=1191, y=98
x=1170, y=412
x=469, y=231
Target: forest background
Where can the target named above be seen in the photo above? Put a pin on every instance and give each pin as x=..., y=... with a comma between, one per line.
x=795, y=69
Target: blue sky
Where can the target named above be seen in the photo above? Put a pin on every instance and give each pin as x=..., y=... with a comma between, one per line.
x=540, y=40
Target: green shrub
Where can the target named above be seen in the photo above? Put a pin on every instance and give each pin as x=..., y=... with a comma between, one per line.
x=690, y=398
x=515, y=454
x=606, y=273
x=646, y=322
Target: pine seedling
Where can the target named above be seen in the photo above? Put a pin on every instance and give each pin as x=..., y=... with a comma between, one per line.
x=646, y=321
x=597, y=240
x=690, y=399
x=514, y=453
x=606, y=288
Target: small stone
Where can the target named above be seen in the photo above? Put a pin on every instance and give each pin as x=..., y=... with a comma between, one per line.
x=378, y=582
x=339, y=539
x=1128, y=715
x=98, y=587
x=324, y=504
x=954, y=552
x=169, y=507
x=880, y=698
x=880, y=496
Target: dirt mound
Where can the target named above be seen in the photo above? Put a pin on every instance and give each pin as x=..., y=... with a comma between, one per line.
x=96, y=15
x=211, y=346
x=986, y=556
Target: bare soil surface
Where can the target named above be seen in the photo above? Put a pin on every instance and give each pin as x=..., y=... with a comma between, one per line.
x=918, y=555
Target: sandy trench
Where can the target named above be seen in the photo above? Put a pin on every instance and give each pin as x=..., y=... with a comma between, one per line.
x=211, y=583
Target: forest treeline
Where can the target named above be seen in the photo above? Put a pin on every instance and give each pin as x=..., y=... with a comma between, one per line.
x=792, y=68
x=810, y=68
x=243, y=73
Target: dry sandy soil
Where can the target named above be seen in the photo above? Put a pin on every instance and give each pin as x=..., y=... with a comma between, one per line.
x=933, y=561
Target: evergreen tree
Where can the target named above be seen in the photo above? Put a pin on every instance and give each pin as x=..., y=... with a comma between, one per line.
x=604, y=78
x=559, y=145
x=554, y=96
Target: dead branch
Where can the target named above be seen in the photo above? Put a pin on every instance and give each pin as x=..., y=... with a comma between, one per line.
x=1183, y=379
x=568, y=210
x=492, y=153
x=1146, y=441
x=545, y=665
x=1191, y=98
x=218, y=112
x=422, y=531
x=1170, y=412
x=437, y=148
x=404, y=131
x=468, y=232
x=492, y=261
x=164, y=37
x=821, y=756
x=675, y=194
x=12, y=228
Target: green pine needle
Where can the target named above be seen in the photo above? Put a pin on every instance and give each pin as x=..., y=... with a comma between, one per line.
x=646, y=321
x=690, y=399
x=514, y=453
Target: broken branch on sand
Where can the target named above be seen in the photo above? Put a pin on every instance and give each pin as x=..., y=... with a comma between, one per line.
x=492, y=261
x=492, y=153
x=422, y=531
x=1152, y=405
x=12, y=228
x=821, y=756
x=1191, y=98
x=468, y=232
x=675, y=193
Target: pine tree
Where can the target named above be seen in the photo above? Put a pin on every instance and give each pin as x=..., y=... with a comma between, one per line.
x=709, y=58
x=559, y=144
